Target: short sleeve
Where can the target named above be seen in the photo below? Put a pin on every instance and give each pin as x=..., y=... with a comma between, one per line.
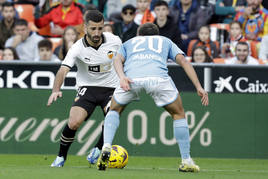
x=122, y=51
x=71, y=57
x=174, y=50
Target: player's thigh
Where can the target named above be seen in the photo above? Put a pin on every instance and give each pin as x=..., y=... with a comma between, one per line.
x=123, y=97
x=106, y=99
x=162, y=90
x=116, y=107
x=176, y=109
x=76, y=117
x=86, y=100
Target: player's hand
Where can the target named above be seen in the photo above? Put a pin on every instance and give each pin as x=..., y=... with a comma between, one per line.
x=53, y=97
x=204, y=96
x=125, y=83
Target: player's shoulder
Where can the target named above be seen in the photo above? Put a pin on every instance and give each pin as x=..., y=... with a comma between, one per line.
x=111, y=38
x=77, y=46
x=79, y=42
x=164, y=38
x=152, y=36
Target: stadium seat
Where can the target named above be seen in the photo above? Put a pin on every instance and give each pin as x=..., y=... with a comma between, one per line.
x=55, y=42
x=219, y=60
x=263, y=62
x=219, y=32
x=26, y=11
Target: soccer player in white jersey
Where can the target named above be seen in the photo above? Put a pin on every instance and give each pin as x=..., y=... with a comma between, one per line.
x=96, y=78
x=141, y=64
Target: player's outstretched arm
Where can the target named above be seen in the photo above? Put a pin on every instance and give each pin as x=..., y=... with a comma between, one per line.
x=118, y=65
x=56, y=93
x=188, y=68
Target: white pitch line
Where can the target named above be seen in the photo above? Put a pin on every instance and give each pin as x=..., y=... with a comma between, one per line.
x=175, y=169
x=199, y=125
x=202, y=170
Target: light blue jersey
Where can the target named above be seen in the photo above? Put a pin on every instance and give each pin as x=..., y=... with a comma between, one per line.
x=146, y=56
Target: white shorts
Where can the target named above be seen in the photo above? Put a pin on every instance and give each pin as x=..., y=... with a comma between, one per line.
x=162, y=90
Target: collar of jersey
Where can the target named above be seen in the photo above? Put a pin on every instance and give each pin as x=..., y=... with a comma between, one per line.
x=86, y=44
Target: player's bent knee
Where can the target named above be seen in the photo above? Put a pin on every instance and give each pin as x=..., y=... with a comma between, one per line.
x=178, y=116
x=74, y=124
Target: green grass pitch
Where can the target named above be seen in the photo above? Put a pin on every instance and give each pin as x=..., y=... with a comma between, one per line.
x=76, y=167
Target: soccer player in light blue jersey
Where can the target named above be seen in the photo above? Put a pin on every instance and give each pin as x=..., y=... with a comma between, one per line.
x=141, y=64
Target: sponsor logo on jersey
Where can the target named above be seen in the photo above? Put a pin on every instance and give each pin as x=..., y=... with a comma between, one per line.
x=94, y=68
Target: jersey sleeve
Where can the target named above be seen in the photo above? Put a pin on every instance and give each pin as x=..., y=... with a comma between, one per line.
x=71, y=57
x=174, y=50
x=122, y=51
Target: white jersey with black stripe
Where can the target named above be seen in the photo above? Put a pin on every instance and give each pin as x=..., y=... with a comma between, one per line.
x=94, y=66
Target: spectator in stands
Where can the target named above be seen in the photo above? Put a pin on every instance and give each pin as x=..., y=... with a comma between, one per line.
x=167, y=26
x=69, y=37
x=254, y=19
x=263, y=53
x=7, y=23
x=144, y=14
x=1, y=9
x=65, y=14
x=45, y=51
x=242, y=55
x=108, y=27
x=24, y=41
x=114, y=9
x=200, y=55
x=189, y=18
x=227, y=9
x=127, y=28
x=9, y=53
x=212, y=48
x=236, y=35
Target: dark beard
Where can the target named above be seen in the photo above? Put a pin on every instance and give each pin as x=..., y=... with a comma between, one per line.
x=91, y=38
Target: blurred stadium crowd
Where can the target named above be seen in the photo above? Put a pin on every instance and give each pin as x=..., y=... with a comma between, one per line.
x=208, y=31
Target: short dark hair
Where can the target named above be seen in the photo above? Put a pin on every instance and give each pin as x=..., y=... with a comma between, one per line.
x=20, y=22
x=45, y=43
x=242, y=43
x=148, y=29
x=130, y=7
x=7, y=4
x=94, y=15
x=161, y=3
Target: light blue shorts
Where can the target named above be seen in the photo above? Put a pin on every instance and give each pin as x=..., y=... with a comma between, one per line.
x=162, y=90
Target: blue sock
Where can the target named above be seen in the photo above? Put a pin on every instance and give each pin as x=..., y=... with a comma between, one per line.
x=111, y=124
x=181, y=133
